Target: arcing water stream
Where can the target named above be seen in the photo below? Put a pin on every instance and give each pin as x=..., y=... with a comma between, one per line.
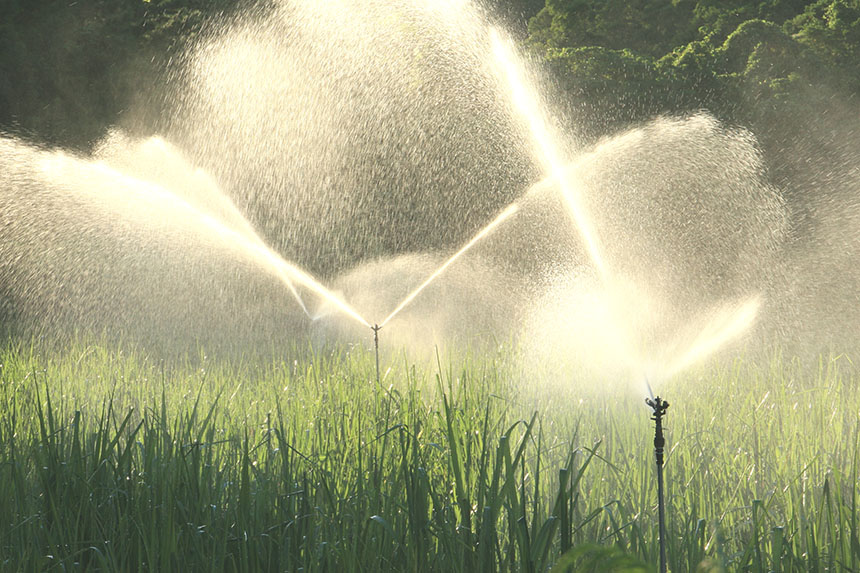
x=527, y=105
x=727, y=324
x=511, y=210
x=130, y=197
x=136, y=193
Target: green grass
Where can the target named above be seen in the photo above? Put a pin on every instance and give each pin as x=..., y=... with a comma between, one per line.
x=112, y=461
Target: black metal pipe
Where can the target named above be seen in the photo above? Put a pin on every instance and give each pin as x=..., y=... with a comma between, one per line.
x=659, y=407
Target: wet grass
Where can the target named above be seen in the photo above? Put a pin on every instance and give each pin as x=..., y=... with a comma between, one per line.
x=110, y=461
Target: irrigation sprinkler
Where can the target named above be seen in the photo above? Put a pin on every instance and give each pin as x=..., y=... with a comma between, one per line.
x=660, y=406
x=375, y=328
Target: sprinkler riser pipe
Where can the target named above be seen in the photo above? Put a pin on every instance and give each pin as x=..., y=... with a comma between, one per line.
x=375, y=328
x=659, y=408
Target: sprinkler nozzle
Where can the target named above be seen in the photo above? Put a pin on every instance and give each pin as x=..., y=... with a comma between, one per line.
x=658, y=405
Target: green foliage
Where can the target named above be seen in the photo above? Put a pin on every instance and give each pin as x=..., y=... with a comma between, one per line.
x=645, y=26
x=110, y=461
x=68, y=70
x=515, y=14
x=755, y=63
x=831, y=30
x=611, y=88
x=595, y=558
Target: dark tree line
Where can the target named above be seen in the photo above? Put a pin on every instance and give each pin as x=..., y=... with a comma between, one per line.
x=70, y=68
x=747, y=62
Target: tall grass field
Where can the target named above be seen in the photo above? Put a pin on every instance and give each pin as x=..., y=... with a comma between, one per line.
x=113, y=461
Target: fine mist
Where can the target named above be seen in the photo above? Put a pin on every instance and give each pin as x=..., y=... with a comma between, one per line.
x=364, y=144
x=123, y=244
x=690, y=228
x=352, y=130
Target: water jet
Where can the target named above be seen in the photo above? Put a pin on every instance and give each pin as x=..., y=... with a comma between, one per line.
x=498, y=220
x=526, y=104
x=600, y=248
x=481, y=234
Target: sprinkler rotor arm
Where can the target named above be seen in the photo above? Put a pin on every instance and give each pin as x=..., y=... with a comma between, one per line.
x=658, y=405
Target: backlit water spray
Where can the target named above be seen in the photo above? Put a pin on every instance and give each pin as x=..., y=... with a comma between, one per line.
x=525, y=102
x=726, y=325
x=323, y=126
x=500, y=218
x=159, y=198
x=511, y=210
x=287, y=271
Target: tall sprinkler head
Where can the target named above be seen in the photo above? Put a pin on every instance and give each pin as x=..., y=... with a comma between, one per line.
x=375, y=328
x=659, y=407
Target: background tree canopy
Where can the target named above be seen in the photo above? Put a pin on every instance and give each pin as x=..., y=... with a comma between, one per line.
x=70, y=69
x=745, y=61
